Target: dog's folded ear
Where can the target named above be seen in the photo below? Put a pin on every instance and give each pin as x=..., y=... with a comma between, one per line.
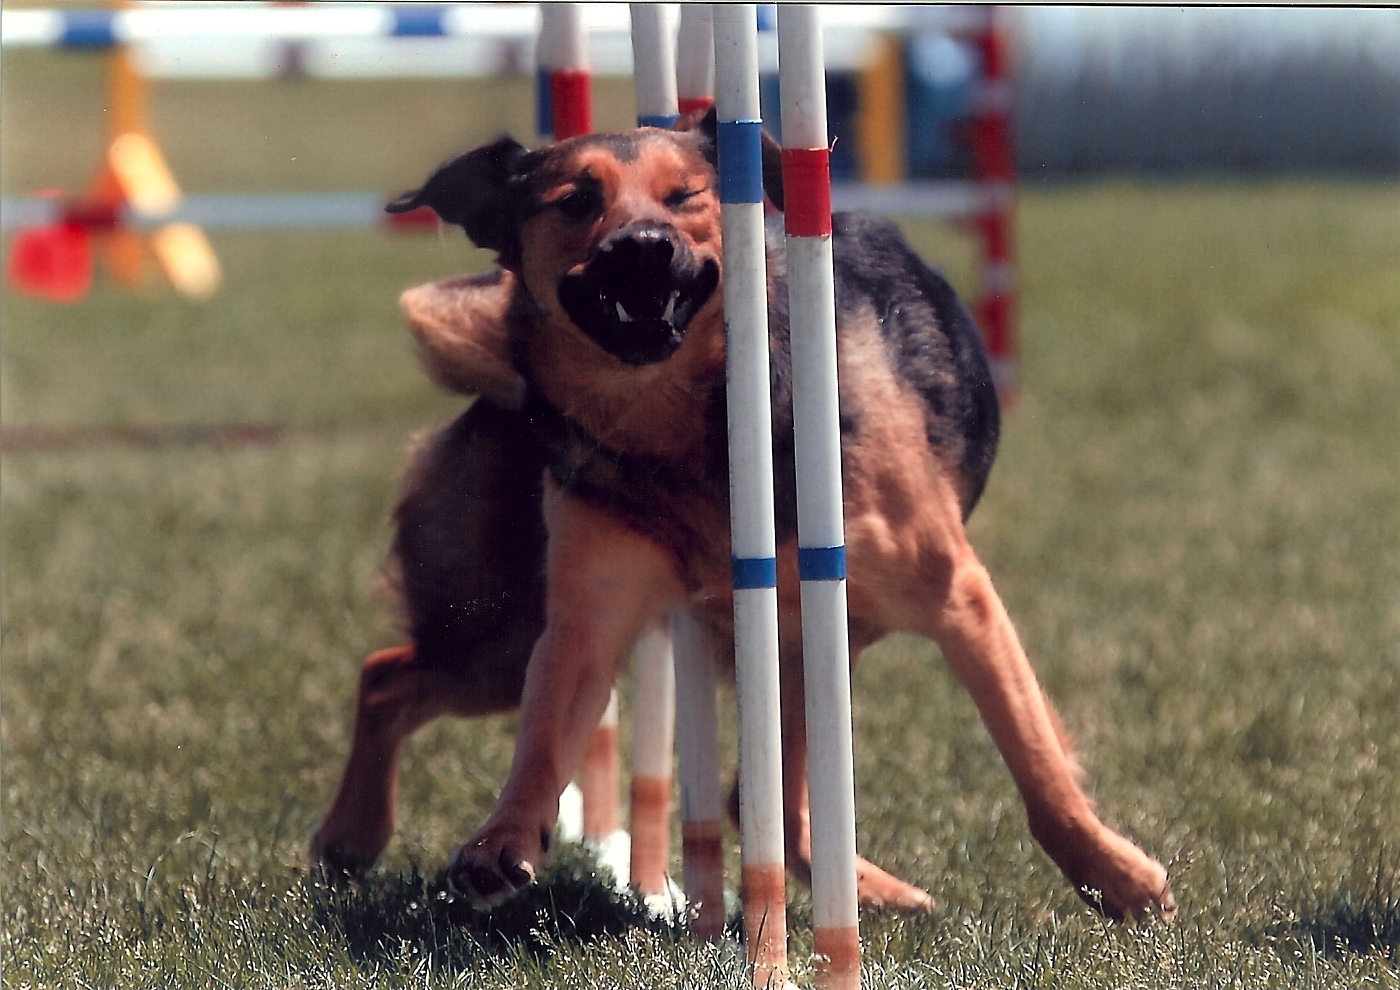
x=706, y=122
x=471, y=190
x=462, y=326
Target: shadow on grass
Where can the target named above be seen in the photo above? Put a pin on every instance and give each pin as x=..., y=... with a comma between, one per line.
x=1352, y=924
x=379, y=916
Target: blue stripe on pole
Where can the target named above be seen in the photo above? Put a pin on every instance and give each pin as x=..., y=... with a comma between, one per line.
x=821, y=563
x=740, y=161
x=88, y=29
x=544, y=104
x=418, y=21
x=752, y=573
x=666, y=120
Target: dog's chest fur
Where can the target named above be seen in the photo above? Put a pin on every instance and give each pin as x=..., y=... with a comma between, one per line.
x=894, y=315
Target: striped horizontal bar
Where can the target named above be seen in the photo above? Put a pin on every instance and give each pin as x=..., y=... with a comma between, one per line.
x=807, y=192
x=752, y=573
x=419, y=21
x=821, y=563
x=740, y=161
x=233, y=211
x=88, y=29
x=283, y=211
x=44, y=27
x=663, y=120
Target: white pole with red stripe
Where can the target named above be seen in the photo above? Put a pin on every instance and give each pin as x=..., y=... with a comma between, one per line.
x=821, y=553
x=994, y=167
x=695, y=59
x=563, y=57
x=752, y=528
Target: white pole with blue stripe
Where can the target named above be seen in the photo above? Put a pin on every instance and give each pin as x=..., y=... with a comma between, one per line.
x=654, y=63
x=821, y=551
x=653, y=666
x=752, y=531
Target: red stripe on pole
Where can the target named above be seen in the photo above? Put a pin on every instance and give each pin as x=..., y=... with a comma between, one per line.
x=994, y=315
x=570, y=92
x=689, y=104
x=807, y=192
x=414, y=219
x=996, y=236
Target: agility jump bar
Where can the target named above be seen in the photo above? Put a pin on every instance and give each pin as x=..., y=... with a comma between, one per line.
x=216, y=211
x=292, y=211
x=95, y=28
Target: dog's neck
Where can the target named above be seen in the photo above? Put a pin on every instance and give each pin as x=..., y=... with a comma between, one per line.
x=657, y=410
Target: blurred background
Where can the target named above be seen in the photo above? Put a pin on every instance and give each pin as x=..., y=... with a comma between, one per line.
x=1184, y=221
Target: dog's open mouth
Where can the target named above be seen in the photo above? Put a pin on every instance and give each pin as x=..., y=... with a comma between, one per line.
x=638, y=293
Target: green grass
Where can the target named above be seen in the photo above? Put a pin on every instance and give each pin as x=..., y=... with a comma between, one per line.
x=1193, y=521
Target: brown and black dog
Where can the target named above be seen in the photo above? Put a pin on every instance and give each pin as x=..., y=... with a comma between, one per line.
x=585, y=497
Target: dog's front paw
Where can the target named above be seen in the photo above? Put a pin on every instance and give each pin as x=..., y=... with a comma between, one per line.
x=500, y=860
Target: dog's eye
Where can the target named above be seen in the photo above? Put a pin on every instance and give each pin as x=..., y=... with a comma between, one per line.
x=679, y=197
x=580, y=204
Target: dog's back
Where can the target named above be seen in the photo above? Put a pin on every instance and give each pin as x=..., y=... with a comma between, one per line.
x=929, y=340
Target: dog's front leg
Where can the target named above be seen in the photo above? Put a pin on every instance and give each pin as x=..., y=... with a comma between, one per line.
x=604, y=582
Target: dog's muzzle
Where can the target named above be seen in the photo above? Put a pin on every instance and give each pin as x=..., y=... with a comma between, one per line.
x=636, y=295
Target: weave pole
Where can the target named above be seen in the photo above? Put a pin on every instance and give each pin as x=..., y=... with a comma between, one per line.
x=994, y=166
x=568, y=111
x=687, y=84
x=697, y=739
x=695, y=59
x=653, y=666
x=653, y=713
x=565, y=50
x=654, y=64
x=821, y=551
x=752, y=530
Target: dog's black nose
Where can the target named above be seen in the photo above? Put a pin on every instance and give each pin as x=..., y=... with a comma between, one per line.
x=648, y=250
x=635, y=269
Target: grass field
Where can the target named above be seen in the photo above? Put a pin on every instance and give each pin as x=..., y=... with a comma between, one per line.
x=1193, y=521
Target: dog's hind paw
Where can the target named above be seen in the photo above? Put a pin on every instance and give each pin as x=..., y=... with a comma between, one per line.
x=877, y=889
x=1128, y=884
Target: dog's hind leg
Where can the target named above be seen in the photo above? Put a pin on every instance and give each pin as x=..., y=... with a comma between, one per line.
x=397, y=695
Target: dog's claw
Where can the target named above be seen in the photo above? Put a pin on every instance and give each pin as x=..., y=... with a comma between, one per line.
x=517, y=872
x=1166, y=903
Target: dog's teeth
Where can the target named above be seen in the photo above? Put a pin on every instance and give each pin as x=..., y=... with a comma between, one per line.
x=622, y=314
x=670, y=308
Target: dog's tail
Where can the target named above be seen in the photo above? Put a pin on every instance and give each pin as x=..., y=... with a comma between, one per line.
x=461, y=325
